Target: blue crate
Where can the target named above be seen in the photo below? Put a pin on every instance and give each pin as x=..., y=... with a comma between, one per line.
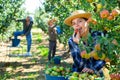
x=48, y=77
x=15, y=42
x=57, y=59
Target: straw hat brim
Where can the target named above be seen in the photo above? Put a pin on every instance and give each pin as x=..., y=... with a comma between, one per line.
x=68, y=20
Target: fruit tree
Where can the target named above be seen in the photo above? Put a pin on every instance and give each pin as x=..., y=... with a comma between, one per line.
x=105, y=18
x=9, y=9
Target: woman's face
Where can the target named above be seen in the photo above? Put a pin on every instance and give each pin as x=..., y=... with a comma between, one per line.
x=80, y=23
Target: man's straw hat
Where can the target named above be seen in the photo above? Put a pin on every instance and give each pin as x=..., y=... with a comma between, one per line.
x=76, y=14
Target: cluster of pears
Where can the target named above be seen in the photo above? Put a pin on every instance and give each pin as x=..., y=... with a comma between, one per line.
x=84, y=76
x=58, y=71
x=94, y=54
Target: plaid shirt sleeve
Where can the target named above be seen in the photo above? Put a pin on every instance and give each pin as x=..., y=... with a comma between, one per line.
x=75, y=52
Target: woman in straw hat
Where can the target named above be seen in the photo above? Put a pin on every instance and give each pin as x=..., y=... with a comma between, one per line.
x=78, y=20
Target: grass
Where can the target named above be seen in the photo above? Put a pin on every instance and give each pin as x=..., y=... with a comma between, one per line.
x=5, y=75
x=43, y=50
x=39, y=40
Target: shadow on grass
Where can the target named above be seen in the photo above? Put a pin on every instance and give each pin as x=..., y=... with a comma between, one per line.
x=34, y=75
x=37, y=75
x=8, y=64
x=19, y=74
x=65, y=55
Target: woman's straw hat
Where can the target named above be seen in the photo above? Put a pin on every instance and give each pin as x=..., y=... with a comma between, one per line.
x=76, y=14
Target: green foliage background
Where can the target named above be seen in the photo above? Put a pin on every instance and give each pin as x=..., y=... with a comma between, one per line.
x=63, y=8
x=9, y=10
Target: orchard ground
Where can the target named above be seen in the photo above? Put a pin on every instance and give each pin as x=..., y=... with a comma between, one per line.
x=29, y=68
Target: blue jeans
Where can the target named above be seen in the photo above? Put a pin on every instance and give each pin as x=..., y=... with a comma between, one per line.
x=28, y=38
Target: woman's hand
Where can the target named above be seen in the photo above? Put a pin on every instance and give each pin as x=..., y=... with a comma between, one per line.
x=76, y=37
x=87, y=70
